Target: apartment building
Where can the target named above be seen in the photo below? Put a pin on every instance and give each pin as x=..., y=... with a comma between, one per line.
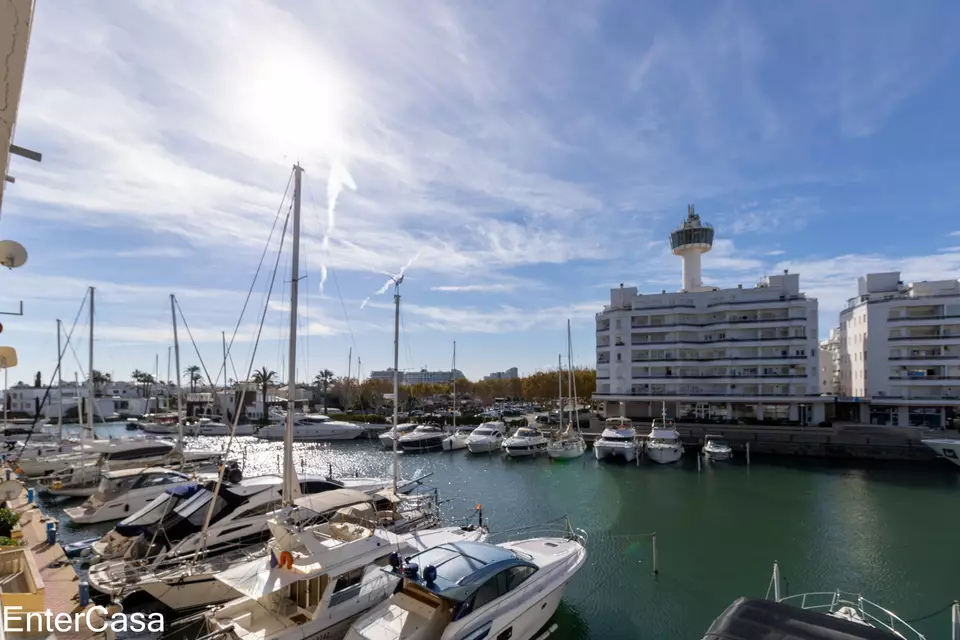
x=899, y=352
x=510, y=374
x=419, y=377
x=740, y=353
x=830, y=364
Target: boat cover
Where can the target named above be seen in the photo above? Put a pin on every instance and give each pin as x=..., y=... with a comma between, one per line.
x=183, y=490
x=757, y=619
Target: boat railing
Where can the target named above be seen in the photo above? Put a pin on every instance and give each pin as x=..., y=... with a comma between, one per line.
x=559, y=528
x=831, y=601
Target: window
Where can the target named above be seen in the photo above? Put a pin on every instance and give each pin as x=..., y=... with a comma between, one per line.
x=347, y=586
x=486, y=594
x=517, y=575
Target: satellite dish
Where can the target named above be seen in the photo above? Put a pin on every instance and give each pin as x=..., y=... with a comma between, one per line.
x=8, y=357
x=9, y=490
x=12, y=254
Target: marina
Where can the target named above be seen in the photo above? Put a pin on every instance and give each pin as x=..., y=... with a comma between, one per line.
x=880, y=528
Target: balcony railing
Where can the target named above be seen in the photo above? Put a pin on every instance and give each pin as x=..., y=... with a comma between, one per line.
x=910, y=318
x=943, y=337
x=713, y=323
x=679, y=360
x=725, y=375
x=925, y=357
x=917, y=378
x=781, y=299
x=758, y=339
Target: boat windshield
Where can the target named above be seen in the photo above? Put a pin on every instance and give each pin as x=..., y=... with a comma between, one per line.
x=483, y=431
x=194, y=510
x=314, y=419
x=618, y=436
x=717, y=442
x=527, y=433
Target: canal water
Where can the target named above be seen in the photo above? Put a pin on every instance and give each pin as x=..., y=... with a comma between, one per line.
x=888, y=531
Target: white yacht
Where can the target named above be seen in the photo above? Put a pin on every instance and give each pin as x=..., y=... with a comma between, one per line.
x=186, y=582
x=313, y=428
x=141, y=451
x=386, y=438
x=316, y=582
x=716, y=448
x=213, y=428
x=127, y=491
x=475, y=590
x=618, y=440
x=820, y=614
x=458, y=439
x=663, y=442
x=946, y=448
x=526, y=442
x=426, y=437
x=486, y=438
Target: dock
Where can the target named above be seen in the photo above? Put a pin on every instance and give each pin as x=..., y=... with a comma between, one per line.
x=850, y=441
x=56, y=585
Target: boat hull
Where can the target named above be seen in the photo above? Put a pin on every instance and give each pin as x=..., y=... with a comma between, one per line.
x=454, y=444
x=945, y=448
x=484, y=446
x=525, y=450
x=717, y=456
x=602, y=451
x=662, y=455
x=421, y=445
x=567, y=451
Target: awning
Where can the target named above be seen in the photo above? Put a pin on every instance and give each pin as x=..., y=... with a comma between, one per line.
x=332, y=500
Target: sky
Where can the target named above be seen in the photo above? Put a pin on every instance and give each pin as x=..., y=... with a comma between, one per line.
x=520, y=158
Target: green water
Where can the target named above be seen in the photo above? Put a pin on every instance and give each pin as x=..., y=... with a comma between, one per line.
x=890, y=532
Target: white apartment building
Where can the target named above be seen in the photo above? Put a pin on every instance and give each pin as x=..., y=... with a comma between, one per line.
x=899, y=348
x=830, y=364
x=418, y=377
x=743, y=353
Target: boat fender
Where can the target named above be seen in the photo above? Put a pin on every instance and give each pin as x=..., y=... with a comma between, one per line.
x=235, y=475
x=395, y=561
x=286, y=560
x=429, y=574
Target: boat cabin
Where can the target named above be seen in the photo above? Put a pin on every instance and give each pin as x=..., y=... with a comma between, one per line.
x=442, y=585
x=527, y=432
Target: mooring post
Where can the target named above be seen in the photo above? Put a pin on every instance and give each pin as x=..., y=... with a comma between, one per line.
x=655, y=570
x=748, y=454
x=698, y=462
x=955, y=619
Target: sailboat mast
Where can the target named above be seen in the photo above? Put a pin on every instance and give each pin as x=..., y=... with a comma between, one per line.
x=349, y=381
x=176, y=356
x=90, y=374
x=560, y=387
x=288, y=470
x=454, y=374
x=396, y=380
x=59, y=386
x=573, y=390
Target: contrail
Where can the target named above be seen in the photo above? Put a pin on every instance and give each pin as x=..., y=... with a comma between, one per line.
x=338, y=179
x=386, y=285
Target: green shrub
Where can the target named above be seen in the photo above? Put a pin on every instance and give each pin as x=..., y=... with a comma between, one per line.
x=8, y=520
x=10, y=542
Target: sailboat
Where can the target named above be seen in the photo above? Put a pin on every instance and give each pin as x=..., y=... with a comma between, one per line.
x=244, y=511
x=458, y=439
x=570, y=444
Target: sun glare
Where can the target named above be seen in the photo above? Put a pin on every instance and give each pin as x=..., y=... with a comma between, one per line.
x=294, y=106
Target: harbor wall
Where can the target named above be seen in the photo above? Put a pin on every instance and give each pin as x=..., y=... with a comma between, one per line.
x=837, y=441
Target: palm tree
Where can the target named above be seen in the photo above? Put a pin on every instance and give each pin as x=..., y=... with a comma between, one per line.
x=193, y=376
x=99, y=379
x=323, y=380
x=263, y=378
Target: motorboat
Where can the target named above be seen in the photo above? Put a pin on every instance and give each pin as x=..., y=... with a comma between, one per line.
x=213, y=428
x=312, y=427
x=458, y=439
x=141, y=451
x=486, y=438
x=19, y=430
x=618, y=440
x=526, y=442
x=716, y=448
x=475, y=590
x=826, y=615
x=426, y=437
x=18, y=451
x=663, y=442
x=386, y=438
x=187, y=582
x=945, y=448
x=127, y=491
x=316, y=581
x=171, y=525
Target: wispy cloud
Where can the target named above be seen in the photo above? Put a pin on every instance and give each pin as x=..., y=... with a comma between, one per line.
x=475, y=288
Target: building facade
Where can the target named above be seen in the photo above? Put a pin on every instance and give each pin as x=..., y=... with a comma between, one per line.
x=830, y=364
x=510, y=374
x=742, y=353
x=419, y=377
x=899, y=352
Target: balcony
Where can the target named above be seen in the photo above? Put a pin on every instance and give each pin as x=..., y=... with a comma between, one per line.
x=714, y=323
x=723, y=340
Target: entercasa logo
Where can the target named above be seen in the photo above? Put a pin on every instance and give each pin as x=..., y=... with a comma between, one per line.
x=95, y=619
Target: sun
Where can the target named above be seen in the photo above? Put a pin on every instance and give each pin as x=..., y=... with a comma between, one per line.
x=293, y=104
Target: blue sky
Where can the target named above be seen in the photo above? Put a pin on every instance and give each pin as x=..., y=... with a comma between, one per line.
x=526, y=156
